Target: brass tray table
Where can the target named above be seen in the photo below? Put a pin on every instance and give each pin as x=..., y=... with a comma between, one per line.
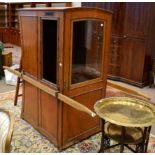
x=131, y=118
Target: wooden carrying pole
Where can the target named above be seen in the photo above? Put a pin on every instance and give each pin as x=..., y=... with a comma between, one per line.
x=52, y=92
x=127, y=90
x=66, y=99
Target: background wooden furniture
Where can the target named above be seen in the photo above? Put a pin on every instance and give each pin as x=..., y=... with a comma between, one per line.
x=9, y=25
x=52, y=57
x=9, y=22
x=132, y=41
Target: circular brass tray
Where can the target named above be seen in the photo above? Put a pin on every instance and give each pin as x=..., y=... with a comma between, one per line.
x=126, y=111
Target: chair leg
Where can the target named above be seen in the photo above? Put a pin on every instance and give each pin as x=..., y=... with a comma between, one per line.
x=17, y=91
x=17, y=86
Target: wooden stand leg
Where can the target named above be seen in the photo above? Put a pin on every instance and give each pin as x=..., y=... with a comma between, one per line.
x=147, y=138
x=105, y=141
x=142, y=147
x=122, y=140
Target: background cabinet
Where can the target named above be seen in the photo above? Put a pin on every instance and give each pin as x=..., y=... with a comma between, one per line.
x=9, y=24
x=132, y=45
x=9, y=29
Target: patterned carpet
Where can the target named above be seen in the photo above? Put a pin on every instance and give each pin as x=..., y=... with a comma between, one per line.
x=27, y=140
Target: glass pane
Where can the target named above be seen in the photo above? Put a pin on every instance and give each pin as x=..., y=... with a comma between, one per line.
x=87, y=50
x=49, y=50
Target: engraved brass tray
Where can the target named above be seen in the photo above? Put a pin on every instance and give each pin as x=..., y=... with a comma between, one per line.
x=126, y=111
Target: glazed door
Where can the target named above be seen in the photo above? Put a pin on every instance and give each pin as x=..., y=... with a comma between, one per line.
x=84, y=73
x=86, y=52
x=85, y=59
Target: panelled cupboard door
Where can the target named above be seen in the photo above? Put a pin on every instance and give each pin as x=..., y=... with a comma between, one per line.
x=30, y=104
x=79, y=124
x=136, y=19
x=29, y=37
x=132, y=59
x=48, y=120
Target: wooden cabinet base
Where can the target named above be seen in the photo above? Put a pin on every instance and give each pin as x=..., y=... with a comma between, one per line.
x=60, y=123
x=70, y=142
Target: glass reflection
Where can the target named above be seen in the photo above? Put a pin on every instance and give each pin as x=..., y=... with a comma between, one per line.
x=87, y=50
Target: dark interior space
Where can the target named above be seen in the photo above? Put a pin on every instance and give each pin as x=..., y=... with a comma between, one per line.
x=49, y=50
